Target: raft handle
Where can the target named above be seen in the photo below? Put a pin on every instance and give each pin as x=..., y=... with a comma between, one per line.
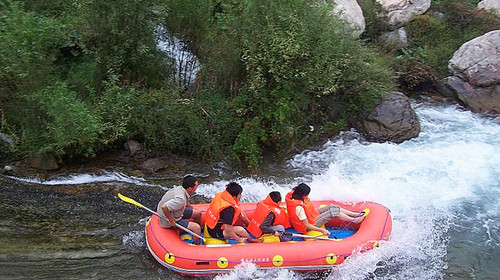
x=202, y=263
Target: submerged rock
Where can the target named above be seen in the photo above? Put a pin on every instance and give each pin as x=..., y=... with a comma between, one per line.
x=392, y=120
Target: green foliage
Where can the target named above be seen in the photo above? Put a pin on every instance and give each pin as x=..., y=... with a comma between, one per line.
x=67, y=124
x=376, y=21
x=441, y=37
x=200, y=128
x=120, y=36
x=29, y=46
x=114, y=106
x=58, y=87
x=82, y=76
x=286, y=64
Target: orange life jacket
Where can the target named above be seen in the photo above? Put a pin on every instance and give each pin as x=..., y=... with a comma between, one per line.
x=263, y=209
x=311, y=212
x=220, y=202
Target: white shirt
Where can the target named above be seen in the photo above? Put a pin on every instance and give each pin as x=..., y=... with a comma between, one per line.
x=301, y=214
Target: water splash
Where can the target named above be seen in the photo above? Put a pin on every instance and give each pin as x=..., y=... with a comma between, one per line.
x=79, y=179
x=251, y=272
x=433, y=184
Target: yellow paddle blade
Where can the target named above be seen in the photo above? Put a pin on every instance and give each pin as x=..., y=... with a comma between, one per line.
x=129, y=200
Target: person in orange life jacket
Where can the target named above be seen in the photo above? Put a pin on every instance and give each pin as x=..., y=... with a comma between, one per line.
x=223, y=212
x=174, y=207
x=304, y=217
x=269, y=218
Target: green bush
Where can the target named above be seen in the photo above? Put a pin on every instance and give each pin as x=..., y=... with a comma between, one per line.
x=114, y=106
x=376, y=21
x=202, y=128
x=66, y=125
x=284, y=65
x=82, y=76
x=29, y=45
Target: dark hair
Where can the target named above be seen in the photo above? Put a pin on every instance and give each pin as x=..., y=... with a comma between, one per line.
x=188, y=181
x=234, y=189
x=300, y=191
x=275, y=196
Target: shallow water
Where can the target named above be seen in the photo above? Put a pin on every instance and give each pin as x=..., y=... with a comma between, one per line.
x=442, y=188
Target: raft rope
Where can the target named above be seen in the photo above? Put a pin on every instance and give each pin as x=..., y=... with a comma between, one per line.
x=349, y=223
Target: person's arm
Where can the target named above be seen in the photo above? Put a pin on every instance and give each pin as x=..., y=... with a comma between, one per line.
x=227, y=216
x=312, y=227
x=168, y=214
x=303, y=218
x=265, y=226
x=244, y=218
x=172, y=205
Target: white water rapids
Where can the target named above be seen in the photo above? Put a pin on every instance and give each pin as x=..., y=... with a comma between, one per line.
x=442, y=189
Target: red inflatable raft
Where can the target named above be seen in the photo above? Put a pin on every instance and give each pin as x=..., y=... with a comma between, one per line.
x=171, y=251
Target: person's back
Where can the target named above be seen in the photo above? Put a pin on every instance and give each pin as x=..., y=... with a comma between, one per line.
x=176, y=199
x=268, y=217
x=174, y=207
x=222, y=214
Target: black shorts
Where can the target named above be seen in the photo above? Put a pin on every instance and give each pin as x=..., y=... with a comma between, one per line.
x=216, y=232
x=188, y=213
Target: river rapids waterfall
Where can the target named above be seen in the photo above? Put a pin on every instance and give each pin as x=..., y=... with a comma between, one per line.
x=442, y=189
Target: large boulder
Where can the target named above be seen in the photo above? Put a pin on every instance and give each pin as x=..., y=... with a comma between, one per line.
x=132, y=147
x=492, y=6
x=475, y=68
x=392, y=120
x=350, y=12
x=394, y=40
x=43, y=161
x=403, y=11
x=152, y=165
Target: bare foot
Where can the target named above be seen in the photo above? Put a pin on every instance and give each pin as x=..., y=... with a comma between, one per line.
x=358, y=220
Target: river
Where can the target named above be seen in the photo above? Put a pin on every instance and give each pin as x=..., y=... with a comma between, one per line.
x=442, y=188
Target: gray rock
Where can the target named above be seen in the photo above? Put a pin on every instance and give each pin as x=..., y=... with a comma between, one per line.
x=492, y=6
x=392, y=120
x=8, y=170
x=478, y=60
x=44, y=161
x=394, y=40
x=153, y=165
x=6, y=140
x=476, y=73
x=132, y=147
x=350, y=12
x=403, y=11
x=478, y=99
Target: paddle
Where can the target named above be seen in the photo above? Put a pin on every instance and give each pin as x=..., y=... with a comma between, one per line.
x=131, y=201
x=307, y=236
